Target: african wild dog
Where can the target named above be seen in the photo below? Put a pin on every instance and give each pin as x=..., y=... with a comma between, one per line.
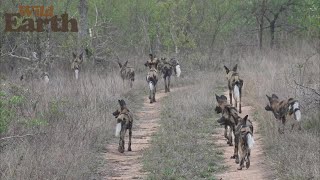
x=176, y=66
x=222, y=102
x=165, y=68
x=229, y=118
x=245, y=141
x=45, y=77
x=234, y=85
x=152, y=77
x=281, y=109
x=126, y=73
x=75, y=64
x=124, y=122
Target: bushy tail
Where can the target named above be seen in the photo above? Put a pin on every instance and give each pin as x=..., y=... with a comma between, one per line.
x=236, y=92
x=178, y=70
x=250, y=140
x=118, y=129
x=46, y=79
x=151, y=85
x=76, y=72
x=297, y=112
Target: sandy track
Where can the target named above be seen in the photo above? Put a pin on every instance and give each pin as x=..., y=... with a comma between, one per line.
x=258, y=168
x=128, y=165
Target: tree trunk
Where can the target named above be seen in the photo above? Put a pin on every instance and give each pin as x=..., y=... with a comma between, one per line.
x=83, y=24
x=260, y=34
x=214, y=36
x=272, y=30
x=261, y=23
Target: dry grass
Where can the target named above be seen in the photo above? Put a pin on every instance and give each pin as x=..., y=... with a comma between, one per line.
x=183, y=147
x=294, y=155
x=71, y=122
x=177, y=153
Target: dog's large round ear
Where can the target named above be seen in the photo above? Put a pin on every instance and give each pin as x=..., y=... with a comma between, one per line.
x=126, y=63
x=123, y=102
x=275, y=96
x=81, y=55
x=227, y=69
x=217, y=97
x=269, y=98
x=223, y=97
x=235, y=68
x=245, y=118
x=120, y=65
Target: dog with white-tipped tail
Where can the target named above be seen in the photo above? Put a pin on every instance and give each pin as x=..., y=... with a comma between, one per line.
x=244, y=137
x=234, y=85
x=152, y=76
x=75, y=64
x=284, y=109
x=124, y=123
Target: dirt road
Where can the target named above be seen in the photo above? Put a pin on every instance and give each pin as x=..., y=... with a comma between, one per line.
x=128, y=165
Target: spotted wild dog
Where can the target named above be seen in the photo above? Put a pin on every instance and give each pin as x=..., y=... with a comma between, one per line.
x=281, y=109
x=245, y=141
x=230, y=118
x=176, y=66
x=124, y=122
x=126, y=72
x=152, y=76
x=222, y=102
x=165, y=68
x=45, y=77
x=75, y=64
x=234, y=85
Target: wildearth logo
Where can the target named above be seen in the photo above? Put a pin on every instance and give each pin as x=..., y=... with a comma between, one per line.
x=34, y=18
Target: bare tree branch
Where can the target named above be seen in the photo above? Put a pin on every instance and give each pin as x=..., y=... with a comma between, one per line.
x=17, y=136
x=313, y=90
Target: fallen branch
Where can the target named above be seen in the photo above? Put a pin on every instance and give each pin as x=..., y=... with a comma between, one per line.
x=17, y=136
x=313, y=90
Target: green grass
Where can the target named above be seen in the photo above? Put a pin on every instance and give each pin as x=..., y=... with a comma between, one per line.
x=183, y=147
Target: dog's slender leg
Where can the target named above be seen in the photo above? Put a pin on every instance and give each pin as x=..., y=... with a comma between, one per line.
x=226, y=133
x=241, y=155
x=168, y=83
x=240, y=100
x=230, y=136
x=154, y=93
x=248, y=159
x=236, y=148
x=122, y=136
x=130, y=135
x=241, y=163
x=283, y=124
x=230, y=97
x=165, y=84
x=299, y=126
x=279, y=126
x=150, y=95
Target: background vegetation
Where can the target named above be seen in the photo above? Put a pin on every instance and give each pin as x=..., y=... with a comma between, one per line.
x=45, y=128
